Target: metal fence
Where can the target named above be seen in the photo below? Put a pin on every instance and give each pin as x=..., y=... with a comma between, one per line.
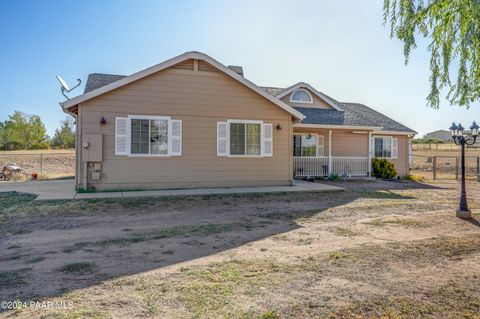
x=435, y=146
x=47, y=165
x=444, y=167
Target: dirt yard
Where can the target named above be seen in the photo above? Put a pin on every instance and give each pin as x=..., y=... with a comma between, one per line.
x=48, y=164
x=377, y=250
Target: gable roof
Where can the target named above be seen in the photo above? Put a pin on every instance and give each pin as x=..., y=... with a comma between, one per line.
x=166, y=64
x=322, y=96
x=351, y=114
x=97, y=80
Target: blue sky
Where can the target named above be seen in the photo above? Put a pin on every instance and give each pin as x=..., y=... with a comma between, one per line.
x=341, y=48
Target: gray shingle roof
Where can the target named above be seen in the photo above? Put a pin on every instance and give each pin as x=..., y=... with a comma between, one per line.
x=272, y=90
x=373, y=117
x=97, y=80
x=354, y=114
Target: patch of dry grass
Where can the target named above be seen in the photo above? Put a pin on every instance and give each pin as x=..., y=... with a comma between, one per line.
x=397, y=221
x=345, y=232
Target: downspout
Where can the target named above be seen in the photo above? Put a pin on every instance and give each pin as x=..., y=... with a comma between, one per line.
x=77, y=139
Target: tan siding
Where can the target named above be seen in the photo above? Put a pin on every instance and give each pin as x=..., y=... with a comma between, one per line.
x=199, y=99
x=317, y=102
x=187, y=64
x=204, y=66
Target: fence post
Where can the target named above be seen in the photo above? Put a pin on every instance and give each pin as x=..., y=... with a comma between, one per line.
x=434, y=170
x=41, y=165
x=456, y=167
x=478, y=165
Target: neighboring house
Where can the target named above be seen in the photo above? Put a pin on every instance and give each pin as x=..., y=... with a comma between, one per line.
x=443, y=135
x=193, y=122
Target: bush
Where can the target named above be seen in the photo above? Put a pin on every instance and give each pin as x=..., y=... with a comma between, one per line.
x=382, y=168
x=333, y=177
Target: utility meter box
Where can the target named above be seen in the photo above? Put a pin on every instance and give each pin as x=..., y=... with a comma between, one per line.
x=95, y=176
x=92, y=148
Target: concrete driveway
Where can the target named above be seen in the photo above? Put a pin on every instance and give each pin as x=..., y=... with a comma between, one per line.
x=65, y=189
x=56, y=189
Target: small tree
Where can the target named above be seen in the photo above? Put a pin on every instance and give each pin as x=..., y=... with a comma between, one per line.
x=64, y=136
x=5, y=134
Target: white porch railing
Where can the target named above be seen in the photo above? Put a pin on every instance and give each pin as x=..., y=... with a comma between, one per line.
x=319, y=166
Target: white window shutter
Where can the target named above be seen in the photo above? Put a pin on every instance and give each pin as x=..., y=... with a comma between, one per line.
x=394, y=147
x=176, y=138
x=320, y=145
x=222, y=139
x=121, y=136
x=267, y=139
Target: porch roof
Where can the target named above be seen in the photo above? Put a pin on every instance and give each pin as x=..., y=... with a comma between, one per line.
x=354, y=114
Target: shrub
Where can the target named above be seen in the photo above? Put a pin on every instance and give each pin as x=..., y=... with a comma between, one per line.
x=333, y=177
x=382, y=168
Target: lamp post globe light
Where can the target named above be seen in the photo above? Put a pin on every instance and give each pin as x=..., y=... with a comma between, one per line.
x=459, y=138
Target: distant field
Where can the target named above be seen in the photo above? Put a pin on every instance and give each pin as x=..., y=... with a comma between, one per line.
x=71, y=151
x=48, y=164
x=444, y=150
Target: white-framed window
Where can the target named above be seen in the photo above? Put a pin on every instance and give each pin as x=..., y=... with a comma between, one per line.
x=144, y=135
x=385, y=146
x=308, y=145
x=301, y=96
x=244, y=138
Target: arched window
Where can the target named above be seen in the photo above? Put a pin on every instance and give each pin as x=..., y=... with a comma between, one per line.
x=301, y=96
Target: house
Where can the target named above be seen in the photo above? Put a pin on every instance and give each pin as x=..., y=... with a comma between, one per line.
x=192, y=122
x=443, y=135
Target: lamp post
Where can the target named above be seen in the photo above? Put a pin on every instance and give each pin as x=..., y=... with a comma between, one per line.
x=459, y=138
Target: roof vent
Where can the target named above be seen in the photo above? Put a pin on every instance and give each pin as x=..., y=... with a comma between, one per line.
x=237, y=69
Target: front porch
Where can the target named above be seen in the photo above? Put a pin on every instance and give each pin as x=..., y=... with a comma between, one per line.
x=325, y=166
x=325, y=151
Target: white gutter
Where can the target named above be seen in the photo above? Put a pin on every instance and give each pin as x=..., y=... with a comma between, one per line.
x=344, y=127
x=395, y=133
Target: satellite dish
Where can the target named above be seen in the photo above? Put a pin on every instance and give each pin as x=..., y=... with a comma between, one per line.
x=65, y=87
x=63, y=83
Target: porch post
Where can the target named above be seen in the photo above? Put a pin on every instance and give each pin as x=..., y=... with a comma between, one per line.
x=369, y=169
x=330, y=168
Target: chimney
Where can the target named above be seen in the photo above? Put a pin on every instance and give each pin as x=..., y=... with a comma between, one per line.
x=237, y=69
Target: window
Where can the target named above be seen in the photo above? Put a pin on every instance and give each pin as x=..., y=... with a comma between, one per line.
x=301, y=96
x=149, y=136
x=385, y=146
x=245, y=139
x=141, y=135
x=308, y=145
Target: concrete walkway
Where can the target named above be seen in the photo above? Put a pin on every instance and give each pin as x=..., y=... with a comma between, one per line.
x=64, y=189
